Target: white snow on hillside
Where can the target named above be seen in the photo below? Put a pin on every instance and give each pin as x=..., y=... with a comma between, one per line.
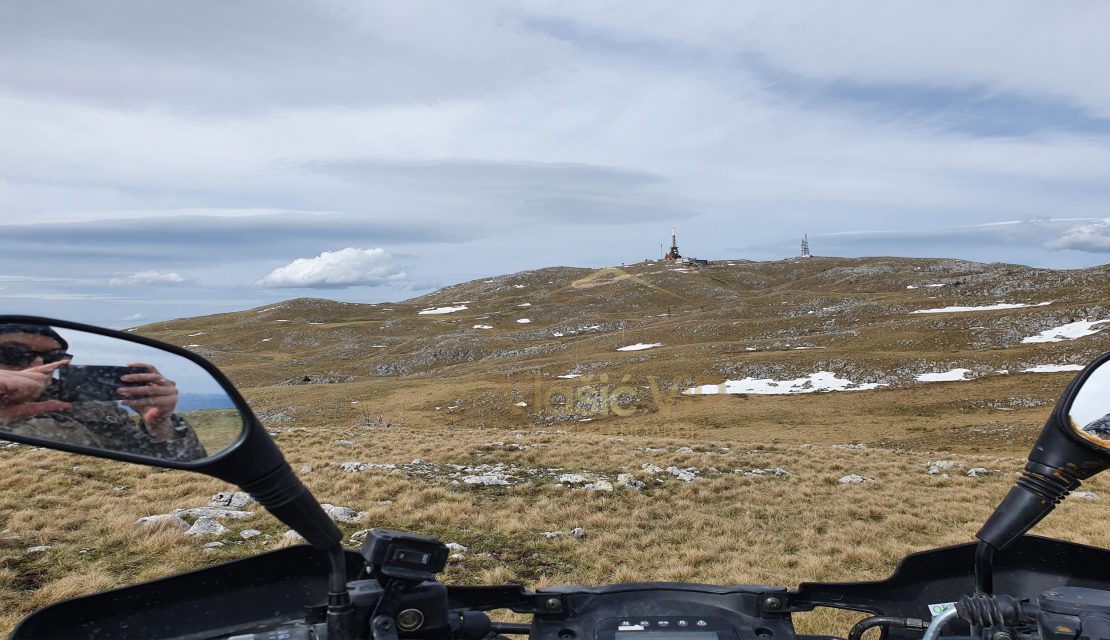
x=441, y=310
x=1069, y=331
x=946, y=376
x=640, y=346
x=1053, y=368
x=993, y=307
x=481, y=326
x=814, y=382
x=523, y=321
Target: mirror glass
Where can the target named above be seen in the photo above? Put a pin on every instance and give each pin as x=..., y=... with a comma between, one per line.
x=66, y=386
x=1089, y=413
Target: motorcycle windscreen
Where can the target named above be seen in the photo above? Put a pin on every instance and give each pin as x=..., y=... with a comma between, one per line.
x=1027, y=568
x=265, y=589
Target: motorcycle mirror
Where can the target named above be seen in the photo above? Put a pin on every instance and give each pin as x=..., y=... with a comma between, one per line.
x=126, y=397
x=1089, y=411
x=1073, y=446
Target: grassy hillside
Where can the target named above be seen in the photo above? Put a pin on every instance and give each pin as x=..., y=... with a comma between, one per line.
x=557, y=411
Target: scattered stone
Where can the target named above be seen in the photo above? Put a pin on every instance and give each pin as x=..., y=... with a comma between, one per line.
x=551, y=534
x=777, y=472
x=684, y=450
x=627, y=480
x=39, y=549
x=385, y=503
x=578, y=532
x=345, y=443
x=173, y=519
x=650, y=468
x=213, y=512
x=940, y=466
x=247, y=534
x=455, y=547
x=685, y=475
x=417, y=461
x=977, y=471
x=456, y=557
x=851, y=445
x=352, y=467
x=1086, y=495
x=360, y=535
x=343, y=514
x=206, y=527
x=600, y=485
x=487, y=479
x=306, y=469
x=854, y=478
x=236, y=500
x=214, y=545
x=653, y=450
x=292, y=535
x=572, y=478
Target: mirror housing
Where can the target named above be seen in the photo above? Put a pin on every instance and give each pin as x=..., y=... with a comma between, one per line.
x=1063, y=456
x=252, y=462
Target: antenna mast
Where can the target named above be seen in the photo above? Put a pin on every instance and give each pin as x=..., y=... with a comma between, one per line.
x=805, y=246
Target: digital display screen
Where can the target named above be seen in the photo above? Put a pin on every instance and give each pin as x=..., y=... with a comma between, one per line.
x=667, y=636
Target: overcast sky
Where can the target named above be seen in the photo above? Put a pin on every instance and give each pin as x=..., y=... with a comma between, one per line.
x=166, y=159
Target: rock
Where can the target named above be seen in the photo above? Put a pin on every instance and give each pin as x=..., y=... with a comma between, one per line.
x=385, y=503
x=977, y=471
x=627, y=480
x=213, y=512
x=1086, y=495
x=306, y=469
x=488, y=479
x=360, y=535
x=852, y=445
x=600, y=485
x=684, y=450
x=345, y=443
x=777, y=472
x=342, y=514
x=455, y=547
x=292, y=535
x=214, y=545
x=551, y=534
x=572, y=478
x=247, y=534
x=685, y=475
x=853, y=479
x=206, y=527
x=940, y=466
x=173, y=519
x=417, y=461
x=39, y=549
x=578, y=532
x=236, y=500
x=654, y=450
x=650, y=468
x=352, y=467
x=456, y=557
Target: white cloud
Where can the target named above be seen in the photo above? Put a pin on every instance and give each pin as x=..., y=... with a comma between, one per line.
x=343, y=268
x=152, y=279
x=1093, y=237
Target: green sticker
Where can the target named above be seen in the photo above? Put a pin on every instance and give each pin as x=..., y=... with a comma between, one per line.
x=937, y=609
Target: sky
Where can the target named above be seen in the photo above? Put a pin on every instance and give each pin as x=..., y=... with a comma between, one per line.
x=165, y=159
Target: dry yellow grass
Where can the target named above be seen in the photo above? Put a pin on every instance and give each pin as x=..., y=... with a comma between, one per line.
x=723, y=527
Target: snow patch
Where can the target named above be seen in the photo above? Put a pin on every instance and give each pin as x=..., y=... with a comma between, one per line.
x=523, y=321
x=993, y=307
x=951, y=375
x=814, y=382
x=441, y=310
x=1053, y=368
x=481, y=326
x=1069, y=331
x=640, y=346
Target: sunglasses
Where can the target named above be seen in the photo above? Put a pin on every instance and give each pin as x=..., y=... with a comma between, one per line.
x=17, y=355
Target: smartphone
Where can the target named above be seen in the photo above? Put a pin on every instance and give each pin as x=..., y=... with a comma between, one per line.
x=81, y=383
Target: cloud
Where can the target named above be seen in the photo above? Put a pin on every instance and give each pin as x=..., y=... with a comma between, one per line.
x=152, y=279
x=1093, y=237
x=336, y=269
x=133, y=316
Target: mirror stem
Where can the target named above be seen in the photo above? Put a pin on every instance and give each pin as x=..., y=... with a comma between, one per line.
x=341, y=622
x=984, y=568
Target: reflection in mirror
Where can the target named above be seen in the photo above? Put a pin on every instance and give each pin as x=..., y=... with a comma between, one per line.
x=72, y=387
x=1089, y=413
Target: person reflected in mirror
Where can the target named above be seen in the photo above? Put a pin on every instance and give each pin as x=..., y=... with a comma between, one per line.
x=30, y=404
x=1099, y=428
